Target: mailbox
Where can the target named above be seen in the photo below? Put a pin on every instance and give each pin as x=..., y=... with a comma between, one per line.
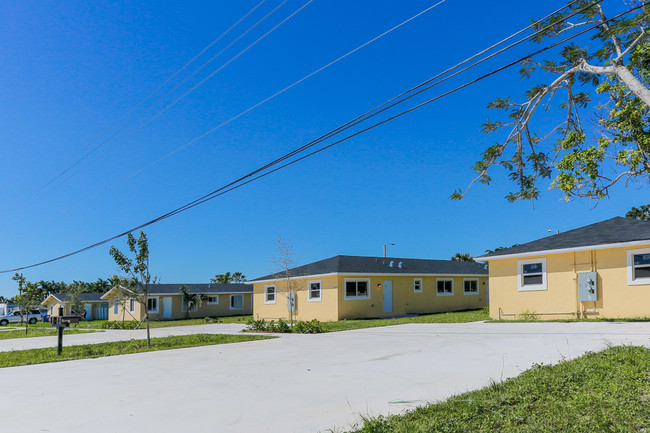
x=64, y=321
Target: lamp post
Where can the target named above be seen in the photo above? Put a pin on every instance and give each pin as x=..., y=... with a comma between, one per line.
x=390, y=243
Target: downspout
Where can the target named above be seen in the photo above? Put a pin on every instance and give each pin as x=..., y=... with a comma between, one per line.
x=579, y=312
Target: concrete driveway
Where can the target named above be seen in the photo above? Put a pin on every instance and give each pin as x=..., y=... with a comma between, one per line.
x=296, y=383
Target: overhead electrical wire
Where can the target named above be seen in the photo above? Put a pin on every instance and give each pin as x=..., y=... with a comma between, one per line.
x=220, y=68
x=367, y=114
x=243, y=180
x=169, y=92
x=142, y=101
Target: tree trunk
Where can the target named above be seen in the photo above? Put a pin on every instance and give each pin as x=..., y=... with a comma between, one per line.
x=633, y=84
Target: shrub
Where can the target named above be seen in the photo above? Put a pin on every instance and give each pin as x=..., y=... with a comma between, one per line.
x=311, y=327
x=211, y=320
x=281, y=326
x=129, y=324
x=256, y=325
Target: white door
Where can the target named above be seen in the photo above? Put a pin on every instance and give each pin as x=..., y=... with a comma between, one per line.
x=89, y=311
x=167, y=308
x=388, y=296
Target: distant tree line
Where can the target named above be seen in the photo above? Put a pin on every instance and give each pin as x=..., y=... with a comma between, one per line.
x=42, y=289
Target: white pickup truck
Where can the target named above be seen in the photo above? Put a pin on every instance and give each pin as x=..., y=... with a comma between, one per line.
x=15, y=317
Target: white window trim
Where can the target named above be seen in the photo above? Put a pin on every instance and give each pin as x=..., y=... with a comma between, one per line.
x=414, y=281
x=630, y=268
x=354, y=298
x=520, y=276
x=275, y=294
x=242, y=302
x=452, y=287
x=320, y=291
x=131, y=304
x=213, y=303
x=478, y=289
x=157, y=304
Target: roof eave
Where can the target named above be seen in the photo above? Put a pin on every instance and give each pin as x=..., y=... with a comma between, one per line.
x=564, y=250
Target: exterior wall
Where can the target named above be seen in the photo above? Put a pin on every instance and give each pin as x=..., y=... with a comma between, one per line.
x=53, y=308
x=221, y=309
x=323, y=310
x=616, y=298
x=335, y=306
x=123, y=312
x=406, y=300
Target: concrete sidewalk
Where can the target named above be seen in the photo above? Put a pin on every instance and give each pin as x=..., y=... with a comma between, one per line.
x=303, y=383
x=108, y=335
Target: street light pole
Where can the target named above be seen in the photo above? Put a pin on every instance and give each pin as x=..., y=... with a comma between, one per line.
x=390, y=243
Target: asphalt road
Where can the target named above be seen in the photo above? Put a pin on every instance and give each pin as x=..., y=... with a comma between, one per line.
x=296, y=383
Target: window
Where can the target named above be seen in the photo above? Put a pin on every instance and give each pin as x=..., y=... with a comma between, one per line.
x=152, y=305
x=213, y=299
x=531, y=274
x=444, y=286
x=194, y=308
x=357, y=289
x=314, y=294
x=470, y=286
x=116, y=305
x=638, y=267
x=269, y=294
x=131, y=305
x=236, y=302
x=417, y=285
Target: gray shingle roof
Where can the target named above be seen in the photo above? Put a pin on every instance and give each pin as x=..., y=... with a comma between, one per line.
x=86, y=297
x=201, y=288
x=381, y=265
x=611, y=231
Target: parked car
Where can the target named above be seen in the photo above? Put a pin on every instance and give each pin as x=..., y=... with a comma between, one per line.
x=15, y=317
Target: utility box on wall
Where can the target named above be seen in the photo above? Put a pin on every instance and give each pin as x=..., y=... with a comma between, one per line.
x=587, y=286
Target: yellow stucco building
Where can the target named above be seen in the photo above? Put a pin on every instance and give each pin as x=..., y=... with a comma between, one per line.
x=600, y=270
x=166, y=302
x=350, y=287
x=94, y=308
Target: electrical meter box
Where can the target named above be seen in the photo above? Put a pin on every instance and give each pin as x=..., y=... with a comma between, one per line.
x=291, y=302
x=587, y=286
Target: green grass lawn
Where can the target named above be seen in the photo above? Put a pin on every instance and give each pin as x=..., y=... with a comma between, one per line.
x=7, y=333
x=97, y=324
x=453, y=317
x=40, y=356
x=608, y=391
x=532, y=318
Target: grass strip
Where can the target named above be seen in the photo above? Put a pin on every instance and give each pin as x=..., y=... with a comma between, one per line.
x=608, y=391
x=40, y=356
x=451, y=317
x=97, y=324
x=36, y=332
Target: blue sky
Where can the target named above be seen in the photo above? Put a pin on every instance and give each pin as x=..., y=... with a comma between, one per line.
x=72, y=69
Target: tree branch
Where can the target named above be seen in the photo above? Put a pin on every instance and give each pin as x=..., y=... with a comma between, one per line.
x=633, y=44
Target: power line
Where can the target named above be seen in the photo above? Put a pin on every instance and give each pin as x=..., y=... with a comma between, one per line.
x=193, y=88
x=295, y=83
x=245, y=179
x=165, y=95
x=142, y=101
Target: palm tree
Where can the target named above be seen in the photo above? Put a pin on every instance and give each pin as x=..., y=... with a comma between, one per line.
x=191, y=300
x=462, y=257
